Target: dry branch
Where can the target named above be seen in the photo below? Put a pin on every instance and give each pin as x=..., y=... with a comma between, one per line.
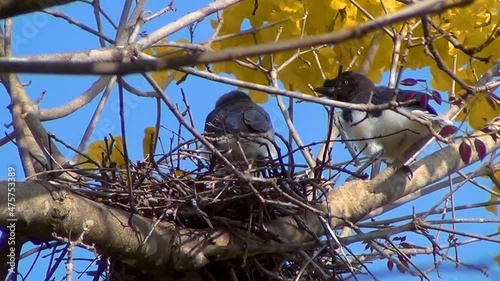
x=11, y=8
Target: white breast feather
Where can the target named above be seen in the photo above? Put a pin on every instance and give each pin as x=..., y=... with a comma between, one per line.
x=392, y=132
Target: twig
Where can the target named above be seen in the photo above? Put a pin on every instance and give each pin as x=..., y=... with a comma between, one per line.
x=94, y=119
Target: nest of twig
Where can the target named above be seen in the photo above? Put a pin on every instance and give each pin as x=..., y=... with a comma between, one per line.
x=183, y=188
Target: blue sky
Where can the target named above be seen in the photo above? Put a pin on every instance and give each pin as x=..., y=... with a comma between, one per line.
x=40, y=34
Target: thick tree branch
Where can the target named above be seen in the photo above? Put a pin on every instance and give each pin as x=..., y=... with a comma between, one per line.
x=11, y=8
x=44, y=210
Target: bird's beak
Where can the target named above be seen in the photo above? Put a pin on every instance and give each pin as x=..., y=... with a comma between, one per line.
x=326, y=91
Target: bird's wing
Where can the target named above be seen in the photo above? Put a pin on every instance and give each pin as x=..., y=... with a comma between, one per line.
x=213, y=122
x=257, y=119
x=238, y=118
x=385, y=94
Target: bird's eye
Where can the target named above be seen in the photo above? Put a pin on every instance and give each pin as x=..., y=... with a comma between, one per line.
x=346, y=82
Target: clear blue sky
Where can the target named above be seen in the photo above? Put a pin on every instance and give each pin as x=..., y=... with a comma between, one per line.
x=40, y=34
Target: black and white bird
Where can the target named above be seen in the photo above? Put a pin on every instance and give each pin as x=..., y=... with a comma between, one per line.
x=239, y=128
x=385, y=133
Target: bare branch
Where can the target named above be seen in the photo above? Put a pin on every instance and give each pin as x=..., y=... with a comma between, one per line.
x=11, y=8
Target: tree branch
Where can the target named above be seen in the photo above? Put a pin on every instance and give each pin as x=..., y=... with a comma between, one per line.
x=44, y=210
x=11, y=8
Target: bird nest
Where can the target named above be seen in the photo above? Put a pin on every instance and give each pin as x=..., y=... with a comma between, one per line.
x=182, y=188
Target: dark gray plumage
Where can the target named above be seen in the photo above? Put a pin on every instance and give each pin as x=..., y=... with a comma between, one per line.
x=385, y=131
x=234, y=116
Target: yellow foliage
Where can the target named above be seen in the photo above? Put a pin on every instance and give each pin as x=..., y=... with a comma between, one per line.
x=117, y=155
x=470, y=25
x=257, y=96
x=166, y=52
x=181, y=174
x=148, y=140
x=480, y=109
x=95, y=152
x=493, y=208
x=98, y=151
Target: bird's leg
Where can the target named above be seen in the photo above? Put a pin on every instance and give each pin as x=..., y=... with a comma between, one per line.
x=407, y=170
x=405, y=167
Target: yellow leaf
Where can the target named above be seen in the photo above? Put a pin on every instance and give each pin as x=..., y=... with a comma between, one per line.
x=148, y=140
x=178, y=75
x=481, y=109
x=98, y=151
x=493, y=198
x=487, y=109
x=165, y=52
x=181, y=173
x=95, y=152
x=117, y=155
x=257, y=96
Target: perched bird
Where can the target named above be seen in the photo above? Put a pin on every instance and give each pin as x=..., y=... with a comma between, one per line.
x=237, y=121
x=383, y=133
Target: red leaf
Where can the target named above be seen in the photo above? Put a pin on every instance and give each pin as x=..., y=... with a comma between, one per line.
x=409, y=96
x=390, y=265
x=406, y=245
x=457, y=102
x=448, y=130
x=437, y=97
x=403, y=260
x=424, y=100
x=492, y=133
x=465, y=152
x=480, y=148
x=409, y=82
